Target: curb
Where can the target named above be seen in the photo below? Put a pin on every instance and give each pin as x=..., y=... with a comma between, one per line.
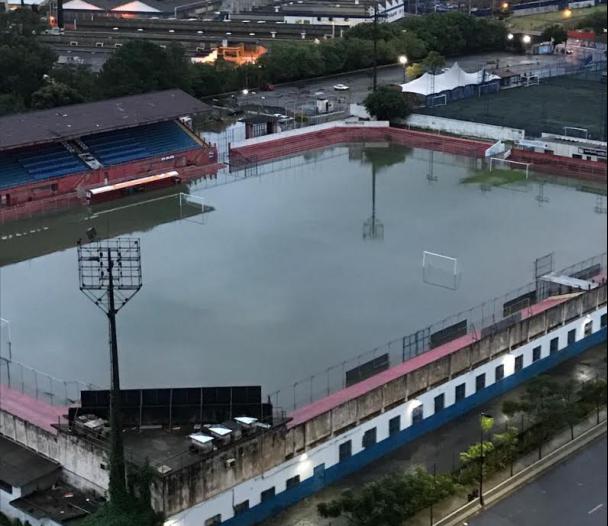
x=522, y=478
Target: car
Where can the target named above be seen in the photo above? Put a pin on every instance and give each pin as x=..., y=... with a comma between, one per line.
x=341, y=87
x=319, y=93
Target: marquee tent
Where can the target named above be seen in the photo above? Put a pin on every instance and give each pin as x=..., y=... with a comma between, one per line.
x=452, y=78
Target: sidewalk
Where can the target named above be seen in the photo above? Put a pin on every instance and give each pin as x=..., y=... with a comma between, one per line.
x=440, y=448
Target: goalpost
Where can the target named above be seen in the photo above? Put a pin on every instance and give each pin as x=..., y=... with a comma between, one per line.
x=439, y=100
x=440, y=270
x=191, y=208
x=532, y=80
x=584, y=132
x=508, y=164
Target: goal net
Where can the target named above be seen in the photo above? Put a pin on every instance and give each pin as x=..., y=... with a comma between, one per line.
x=440, y=270
x=439, y=100
x=192, y=208
x=496, y=163
x=573, y=131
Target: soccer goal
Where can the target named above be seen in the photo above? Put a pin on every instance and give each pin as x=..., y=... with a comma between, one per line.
x=440, y=270
x=579, y=133
x=191, y=208
x=532, y=80
x=439, y=100
x=496, y=163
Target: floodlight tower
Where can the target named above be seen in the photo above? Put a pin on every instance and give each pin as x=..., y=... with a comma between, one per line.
x=373, y=227
x=110, y=275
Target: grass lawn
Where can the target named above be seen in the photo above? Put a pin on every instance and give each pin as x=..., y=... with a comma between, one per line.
x=496, y=177
x=540, y=21
x=548, y=107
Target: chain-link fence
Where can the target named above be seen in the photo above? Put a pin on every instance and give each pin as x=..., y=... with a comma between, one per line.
x=39, y=385
x=470, y=325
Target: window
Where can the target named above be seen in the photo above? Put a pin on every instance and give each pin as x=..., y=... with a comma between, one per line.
x=536, y=353
x=6, y=487
x=480, y=382
x=345, y=451
x=417, y=414
x=394, y=425
x=588, y=328
x=267, y=494
x=369, y=437
x=439, y=402
x=571, y=336
x=461, y=392
x=519, y=362
x=213, y=521
x=603, y=320
x=292, y=482
x=241, y=508
x=499, y=373
x=554, y=346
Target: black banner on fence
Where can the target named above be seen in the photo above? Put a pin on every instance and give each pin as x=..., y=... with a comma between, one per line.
x=588, y=272
x=501, y=325
x=174, y=406
x=519, y=303
x=366, y=370
x=448, y=334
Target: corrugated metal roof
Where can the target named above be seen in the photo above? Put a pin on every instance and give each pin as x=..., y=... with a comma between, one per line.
x=70, y=122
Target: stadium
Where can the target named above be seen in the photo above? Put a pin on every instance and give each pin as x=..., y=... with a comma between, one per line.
x=50, y=158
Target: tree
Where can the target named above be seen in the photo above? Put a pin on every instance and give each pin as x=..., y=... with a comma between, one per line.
x=433, y=62
x=78, y=77
x=592, y=395
x=391, y=500
x=555, y=33
x=10, y=104
x=414, y=71
x=387, y=103
x=55, y=94
x=595, y=21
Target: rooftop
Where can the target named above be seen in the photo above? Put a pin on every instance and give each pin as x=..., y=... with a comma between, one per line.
x=37, y=412
x=71, y=122
x=20, y=466
x=61, y=503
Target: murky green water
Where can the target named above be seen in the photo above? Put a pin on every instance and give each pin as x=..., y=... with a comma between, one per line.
x=277, y=282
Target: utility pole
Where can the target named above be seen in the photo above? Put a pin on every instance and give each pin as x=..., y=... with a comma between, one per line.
x=375, y=79
x=110, y=275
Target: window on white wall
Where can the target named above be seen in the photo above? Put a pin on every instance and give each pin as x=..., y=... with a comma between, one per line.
x=394, y=425
x=536, y=353
x=292, y=482
x=499, y=373
x=460, y=392
x=345, y=451
x=480, y=382
x=588, y=328
x=369, y=438
x=267, y=494
x=571, y=336
x=439, y=402
x=241, y=507
x=417, y=414
x=554, y=346
x=603, y=320
x=519, y=362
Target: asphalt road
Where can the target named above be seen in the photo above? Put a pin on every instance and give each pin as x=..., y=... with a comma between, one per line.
x=360, y=84
x=570, y=494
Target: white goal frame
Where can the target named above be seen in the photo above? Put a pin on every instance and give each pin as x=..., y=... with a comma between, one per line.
x=191, y=200
x=584, y=130
x=526, y=166
x=532, y=80
x=435, y=98
x=455, y=272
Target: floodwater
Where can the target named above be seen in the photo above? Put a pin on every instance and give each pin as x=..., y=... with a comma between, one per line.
x=278, y=281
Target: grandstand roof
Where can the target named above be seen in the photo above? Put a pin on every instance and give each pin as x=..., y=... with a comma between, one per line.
x=70, y=122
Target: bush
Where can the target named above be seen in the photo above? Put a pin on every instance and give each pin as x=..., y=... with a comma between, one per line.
x=387, y=104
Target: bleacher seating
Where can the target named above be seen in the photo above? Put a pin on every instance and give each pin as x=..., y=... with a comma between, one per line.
x=138, y=143
x=36, y=164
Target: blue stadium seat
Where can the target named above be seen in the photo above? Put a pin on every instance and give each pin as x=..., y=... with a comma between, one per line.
x=138, y=143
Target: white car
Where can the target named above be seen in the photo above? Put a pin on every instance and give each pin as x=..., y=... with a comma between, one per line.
x=341, y=87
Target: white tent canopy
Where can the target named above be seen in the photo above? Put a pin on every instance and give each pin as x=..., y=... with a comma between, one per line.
x=453, y=77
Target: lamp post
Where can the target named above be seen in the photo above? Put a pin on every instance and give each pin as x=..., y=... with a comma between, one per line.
x=482, y=420
x=403, y=62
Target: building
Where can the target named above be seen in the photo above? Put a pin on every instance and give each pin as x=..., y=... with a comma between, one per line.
x=566, y=146
x=68, y=150
x=244, y=468
x=79, y=9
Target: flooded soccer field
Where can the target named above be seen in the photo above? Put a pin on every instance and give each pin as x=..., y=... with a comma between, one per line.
x=286, y=276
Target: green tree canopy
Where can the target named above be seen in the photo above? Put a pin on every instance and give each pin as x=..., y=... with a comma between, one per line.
x=555, y=33
x=55, y=94
x=387, y=103
x=433, y=62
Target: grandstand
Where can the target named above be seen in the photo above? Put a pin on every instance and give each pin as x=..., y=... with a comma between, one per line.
x=70, y=149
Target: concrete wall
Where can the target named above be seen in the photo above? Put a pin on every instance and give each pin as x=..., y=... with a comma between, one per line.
x=465, y=128
x=81, y=461
x=316, y=442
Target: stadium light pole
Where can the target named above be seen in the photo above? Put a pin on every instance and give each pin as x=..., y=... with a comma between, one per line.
x=403, y=62
x=110, y=275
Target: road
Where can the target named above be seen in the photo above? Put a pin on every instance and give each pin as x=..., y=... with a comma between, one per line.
x=572, y=493
x=439, y=448
x=360, y=84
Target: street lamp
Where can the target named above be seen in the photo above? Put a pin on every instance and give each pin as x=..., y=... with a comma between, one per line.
x=403, y=62
x=526, y=39
x=484, y=419
x=510, y=36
